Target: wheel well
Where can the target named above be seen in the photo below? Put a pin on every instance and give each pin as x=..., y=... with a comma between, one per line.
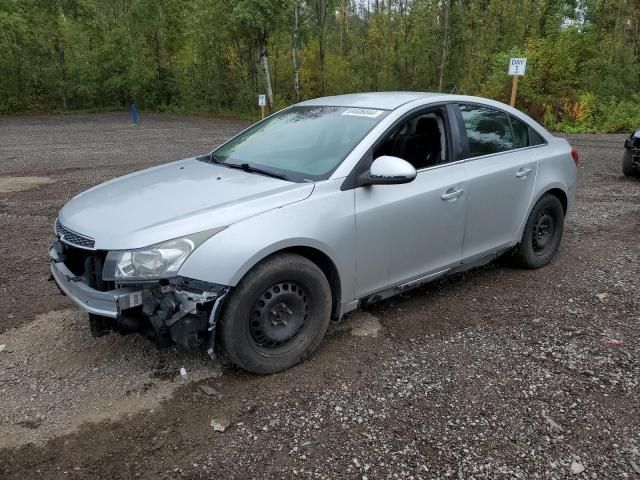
x=328, y=268
x=556, y=192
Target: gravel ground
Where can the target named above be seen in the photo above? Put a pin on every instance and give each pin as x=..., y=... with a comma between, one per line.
x=496, y=373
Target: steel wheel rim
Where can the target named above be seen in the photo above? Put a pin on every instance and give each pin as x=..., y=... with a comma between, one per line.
x=544, y=230
x=279, y=315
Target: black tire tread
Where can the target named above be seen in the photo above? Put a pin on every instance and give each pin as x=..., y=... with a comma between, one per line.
x=524, y=256
x=244, y=290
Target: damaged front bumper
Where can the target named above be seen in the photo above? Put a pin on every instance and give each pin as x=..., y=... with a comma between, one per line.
x=176, y=310
x=106, y=304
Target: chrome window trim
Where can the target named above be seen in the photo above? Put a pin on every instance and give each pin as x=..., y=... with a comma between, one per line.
x=440, y=165
x=471, y=159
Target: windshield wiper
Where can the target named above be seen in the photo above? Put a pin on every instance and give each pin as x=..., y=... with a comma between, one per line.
x=251, y=169
x=214, y=159
x=247, y=168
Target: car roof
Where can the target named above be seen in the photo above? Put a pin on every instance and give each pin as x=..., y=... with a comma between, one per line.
x=379, y=100
x=394, y=100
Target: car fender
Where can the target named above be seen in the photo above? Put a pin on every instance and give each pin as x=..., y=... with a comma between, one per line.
x=535, y=198
x=324, y=222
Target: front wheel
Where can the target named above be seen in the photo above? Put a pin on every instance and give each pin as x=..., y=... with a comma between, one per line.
x=542, y=233
x=277, y=315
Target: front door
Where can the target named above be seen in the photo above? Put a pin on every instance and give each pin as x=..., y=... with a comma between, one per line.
x=410, y=231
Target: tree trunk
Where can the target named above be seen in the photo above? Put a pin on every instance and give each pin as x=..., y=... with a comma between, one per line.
x=615, y=34
x=321, y=11
x=263, y=64
x=58, y=48
x=322, y=76
x=294, y=53
x=342, y=15
x=59, y=51
x=445, y=43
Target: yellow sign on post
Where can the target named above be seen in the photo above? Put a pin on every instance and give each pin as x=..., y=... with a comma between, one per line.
x=517, y=67
x=262, y=102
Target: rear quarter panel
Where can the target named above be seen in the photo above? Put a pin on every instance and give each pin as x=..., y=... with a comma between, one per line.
x=556, y=170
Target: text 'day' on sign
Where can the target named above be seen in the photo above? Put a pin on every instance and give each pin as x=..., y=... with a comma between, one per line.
x=517, y=66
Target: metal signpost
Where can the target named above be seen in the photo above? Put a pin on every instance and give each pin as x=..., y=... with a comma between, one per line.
x=517, y=66
x=134, y=114
x=262, y=102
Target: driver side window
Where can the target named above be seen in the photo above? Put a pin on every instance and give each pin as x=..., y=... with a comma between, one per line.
x=420, y=140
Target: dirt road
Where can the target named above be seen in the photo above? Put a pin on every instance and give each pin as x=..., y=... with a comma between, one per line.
x=497, y=373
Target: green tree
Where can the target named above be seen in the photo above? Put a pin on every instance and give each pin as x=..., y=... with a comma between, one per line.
x=257, y=19
x=214, y=55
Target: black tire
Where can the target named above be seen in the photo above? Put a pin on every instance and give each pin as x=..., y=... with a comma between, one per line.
x=277, y=315
x=627, y=165
x=542, y=233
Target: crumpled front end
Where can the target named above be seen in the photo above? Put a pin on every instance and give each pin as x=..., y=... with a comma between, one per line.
x=174, y=310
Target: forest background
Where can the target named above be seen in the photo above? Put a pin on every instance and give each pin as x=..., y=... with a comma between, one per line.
x=216, y=56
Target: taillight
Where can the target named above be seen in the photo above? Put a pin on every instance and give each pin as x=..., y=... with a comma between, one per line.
x=576, y=157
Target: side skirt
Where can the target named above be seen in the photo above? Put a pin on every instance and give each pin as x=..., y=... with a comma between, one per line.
x=405, y=287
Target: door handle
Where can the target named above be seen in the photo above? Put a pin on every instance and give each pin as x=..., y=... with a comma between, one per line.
x=452, y=194
x=523, y=172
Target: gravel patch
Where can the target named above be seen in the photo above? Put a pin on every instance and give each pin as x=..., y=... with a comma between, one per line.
x=363, y=324
x=18, y=184
x=54, y=377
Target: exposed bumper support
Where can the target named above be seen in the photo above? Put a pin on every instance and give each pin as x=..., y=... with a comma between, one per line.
x=213, y=323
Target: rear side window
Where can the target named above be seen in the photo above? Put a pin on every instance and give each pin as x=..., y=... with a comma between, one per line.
x=524, y=135
x=535, y=138
x=520, y=133
x=488, y=130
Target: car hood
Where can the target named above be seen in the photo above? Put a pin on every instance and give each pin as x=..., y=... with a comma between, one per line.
x=174, y=200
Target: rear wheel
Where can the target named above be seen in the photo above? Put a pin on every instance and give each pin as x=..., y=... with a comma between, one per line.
x=277, y=315
x=542, y=233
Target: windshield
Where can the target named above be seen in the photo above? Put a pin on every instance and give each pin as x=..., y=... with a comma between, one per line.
x=300, y=143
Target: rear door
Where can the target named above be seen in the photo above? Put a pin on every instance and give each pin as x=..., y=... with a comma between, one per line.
x=501, y=169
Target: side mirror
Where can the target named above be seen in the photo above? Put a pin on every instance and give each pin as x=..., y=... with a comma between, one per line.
x=388, y=170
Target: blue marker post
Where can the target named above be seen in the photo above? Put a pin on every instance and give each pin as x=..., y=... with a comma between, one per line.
x=134, y=114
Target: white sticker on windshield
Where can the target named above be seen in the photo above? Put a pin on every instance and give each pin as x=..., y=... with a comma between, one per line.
x=362, y=112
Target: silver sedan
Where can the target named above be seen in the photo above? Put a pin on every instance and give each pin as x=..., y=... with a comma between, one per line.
x=319, y=209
